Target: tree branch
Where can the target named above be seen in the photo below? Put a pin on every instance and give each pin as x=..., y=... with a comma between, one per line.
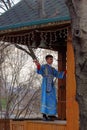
x=31, y=52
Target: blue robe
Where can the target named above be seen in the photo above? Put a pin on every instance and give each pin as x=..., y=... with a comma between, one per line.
x=48, y=93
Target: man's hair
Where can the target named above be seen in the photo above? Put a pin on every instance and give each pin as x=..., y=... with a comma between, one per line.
x=48, y=56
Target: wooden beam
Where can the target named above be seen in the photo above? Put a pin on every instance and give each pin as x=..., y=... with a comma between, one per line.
x=62, y=85
x=72, y=113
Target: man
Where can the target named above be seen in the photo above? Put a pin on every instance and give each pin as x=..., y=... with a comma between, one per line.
x=48, y=93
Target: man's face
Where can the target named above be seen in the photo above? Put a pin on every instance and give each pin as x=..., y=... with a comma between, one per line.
x=49, y=60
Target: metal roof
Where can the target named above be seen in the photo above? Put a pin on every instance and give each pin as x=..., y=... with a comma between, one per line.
x=33, y=12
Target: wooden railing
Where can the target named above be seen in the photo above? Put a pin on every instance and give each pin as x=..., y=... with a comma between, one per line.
x=4, y=124
x=37, y=125
x=32, y=125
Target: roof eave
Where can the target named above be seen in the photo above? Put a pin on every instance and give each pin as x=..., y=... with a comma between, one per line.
x=35, y=24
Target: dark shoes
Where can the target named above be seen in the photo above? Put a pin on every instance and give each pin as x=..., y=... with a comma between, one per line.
x=53, y=118
x=45, y=118
x=49, y=118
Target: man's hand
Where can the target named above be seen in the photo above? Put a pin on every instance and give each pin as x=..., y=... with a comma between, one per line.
x=65, y=72
x=37, y=63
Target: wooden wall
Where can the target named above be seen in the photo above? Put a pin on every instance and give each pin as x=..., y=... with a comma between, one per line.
x=4, y=124
x=35, y=125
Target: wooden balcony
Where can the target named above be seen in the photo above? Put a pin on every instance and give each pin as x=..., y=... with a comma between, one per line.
x=38, y=125
x=32, y=125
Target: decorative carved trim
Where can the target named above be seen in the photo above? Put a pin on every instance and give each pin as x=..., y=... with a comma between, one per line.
x=2, y=32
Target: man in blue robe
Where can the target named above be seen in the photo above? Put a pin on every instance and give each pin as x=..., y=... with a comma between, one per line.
x=48, y=93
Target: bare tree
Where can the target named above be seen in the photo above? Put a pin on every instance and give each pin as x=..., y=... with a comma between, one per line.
x=17, y=92
x=3, y=46
x=5, y=5
x=19, y=95
x=27, y=49
x=78, y=13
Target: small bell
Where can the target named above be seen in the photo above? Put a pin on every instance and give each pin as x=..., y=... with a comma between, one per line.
x=33, y=45
x=43, y=44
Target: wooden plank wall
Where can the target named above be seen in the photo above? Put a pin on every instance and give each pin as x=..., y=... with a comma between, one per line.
x=32, y=125
x=18, y=125
x=45, y=126
x=4, y=124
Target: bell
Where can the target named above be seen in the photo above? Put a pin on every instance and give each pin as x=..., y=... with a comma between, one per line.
x=33, y=45
x=42, y=44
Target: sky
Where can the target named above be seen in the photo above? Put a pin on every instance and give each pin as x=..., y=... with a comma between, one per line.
x=16, y=1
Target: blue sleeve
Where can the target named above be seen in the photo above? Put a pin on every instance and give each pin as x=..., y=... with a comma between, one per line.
x=59, y=75
x=41, y=71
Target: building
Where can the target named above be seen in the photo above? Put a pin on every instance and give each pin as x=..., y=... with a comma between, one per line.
x=46, y=24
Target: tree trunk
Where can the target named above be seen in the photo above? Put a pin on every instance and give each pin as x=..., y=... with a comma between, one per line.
x=78, y=13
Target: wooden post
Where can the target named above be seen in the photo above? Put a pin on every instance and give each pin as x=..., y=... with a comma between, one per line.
x=62, y=85
x=72, y=111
